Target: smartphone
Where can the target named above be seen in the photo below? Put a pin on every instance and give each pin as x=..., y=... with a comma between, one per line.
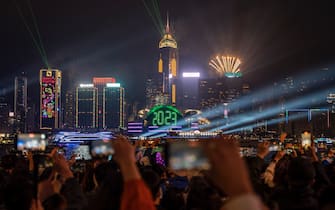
x=82, y=152
x=186, y=155
x=306, y=139
x=31, y=142
x=101, y=148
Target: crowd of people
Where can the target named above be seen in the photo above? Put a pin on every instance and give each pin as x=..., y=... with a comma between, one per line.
x=131, y=181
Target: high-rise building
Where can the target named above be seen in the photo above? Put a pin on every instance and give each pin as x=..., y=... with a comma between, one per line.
x=20, y=103
x=4, y=115
x=32, y=116
x=190, y=90
x=152, y=93
x=69, y=109
x=168, y=67
x=113, y=106
x=86, y=106
x=50, y=98
x=216, y=91
x=100, y=84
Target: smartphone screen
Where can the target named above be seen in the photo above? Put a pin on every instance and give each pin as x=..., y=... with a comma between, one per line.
x=306, y=139
x=82, y=152
x=101, y=148
x=31, y=142
x=186, y=155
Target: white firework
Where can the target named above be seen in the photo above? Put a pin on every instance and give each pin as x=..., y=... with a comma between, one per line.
x=226, y=65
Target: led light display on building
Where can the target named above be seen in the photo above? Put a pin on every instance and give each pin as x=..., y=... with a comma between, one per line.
x=163, y=116
x=50, y=89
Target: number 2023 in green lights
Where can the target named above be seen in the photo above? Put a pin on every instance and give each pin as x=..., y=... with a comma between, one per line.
x=162, y=118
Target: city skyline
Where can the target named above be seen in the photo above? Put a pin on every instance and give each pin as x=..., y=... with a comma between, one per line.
x=124, y=44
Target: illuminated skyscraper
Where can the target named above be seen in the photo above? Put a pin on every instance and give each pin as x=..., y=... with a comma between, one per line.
x=190, y=90
x=110, y=107
x=100, y=84
x=168, y=66
x=113, y=106
x=69, y=109
x=86, y=106
x=153, y=94
x=218, y=91
x=4, y=112
x=50, y=98
x=20, y=103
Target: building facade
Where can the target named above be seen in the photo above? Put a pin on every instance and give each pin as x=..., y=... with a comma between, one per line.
x=190, y=90
x=113, y=106
x=4, y=116
x=100, y=83
x=69, y=109
x=20, y=103
x=168, y=68
x=110, y=107
x=86, y=106
x=218, y=91
x=50, y=98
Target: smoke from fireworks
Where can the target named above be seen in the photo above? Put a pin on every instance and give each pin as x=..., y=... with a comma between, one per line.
x=228, y=66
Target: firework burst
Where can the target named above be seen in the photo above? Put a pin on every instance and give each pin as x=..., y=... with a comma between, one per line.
x=228, y=66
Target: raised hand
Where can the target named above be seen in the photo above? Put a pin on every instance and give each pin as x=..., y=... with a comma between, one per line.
x=228, y=169
x=125, y=156
x=62, y=166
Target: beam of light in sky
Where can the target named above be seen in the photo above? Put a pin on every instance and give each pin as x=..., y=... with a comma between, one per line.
x=268, y=93
x=269, y=122
x=245, y=118
x=262, y=95
x=272, y=111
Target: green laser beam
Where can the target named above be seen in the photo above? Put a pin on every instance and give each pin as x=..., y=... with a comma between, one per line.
x=157, y=14
x=38, y=33
x=152, y=17
x=30, y=32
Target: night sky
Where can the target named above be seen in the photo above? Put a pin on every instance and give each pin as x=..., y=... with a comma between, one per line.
x=86, y=38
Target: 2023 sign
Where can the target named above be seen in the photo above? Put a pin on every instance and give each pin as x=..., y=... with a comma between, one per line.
x=163, y=118
x=163, y=115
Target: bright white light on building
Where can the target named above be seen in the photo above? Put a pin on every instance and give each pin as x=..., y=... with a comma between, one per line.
x=11, y=114
x=86, y=85
x=113, y=85
x=191, y=74
x=170, y=76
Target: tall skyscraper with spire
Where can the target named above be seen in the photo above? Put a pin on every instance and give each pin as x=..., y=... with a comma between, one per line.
x=168, y=66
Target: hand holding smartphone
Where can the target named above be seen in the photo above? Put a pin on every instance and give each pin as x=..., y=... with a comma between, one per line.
x=101, y=148
x=306, y=139
x=186, y=155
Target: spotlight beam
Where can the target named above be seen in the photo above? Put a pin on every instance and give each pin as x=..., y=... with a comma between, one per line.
x=270, y=122
x=303, y=101
x=265, y=94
